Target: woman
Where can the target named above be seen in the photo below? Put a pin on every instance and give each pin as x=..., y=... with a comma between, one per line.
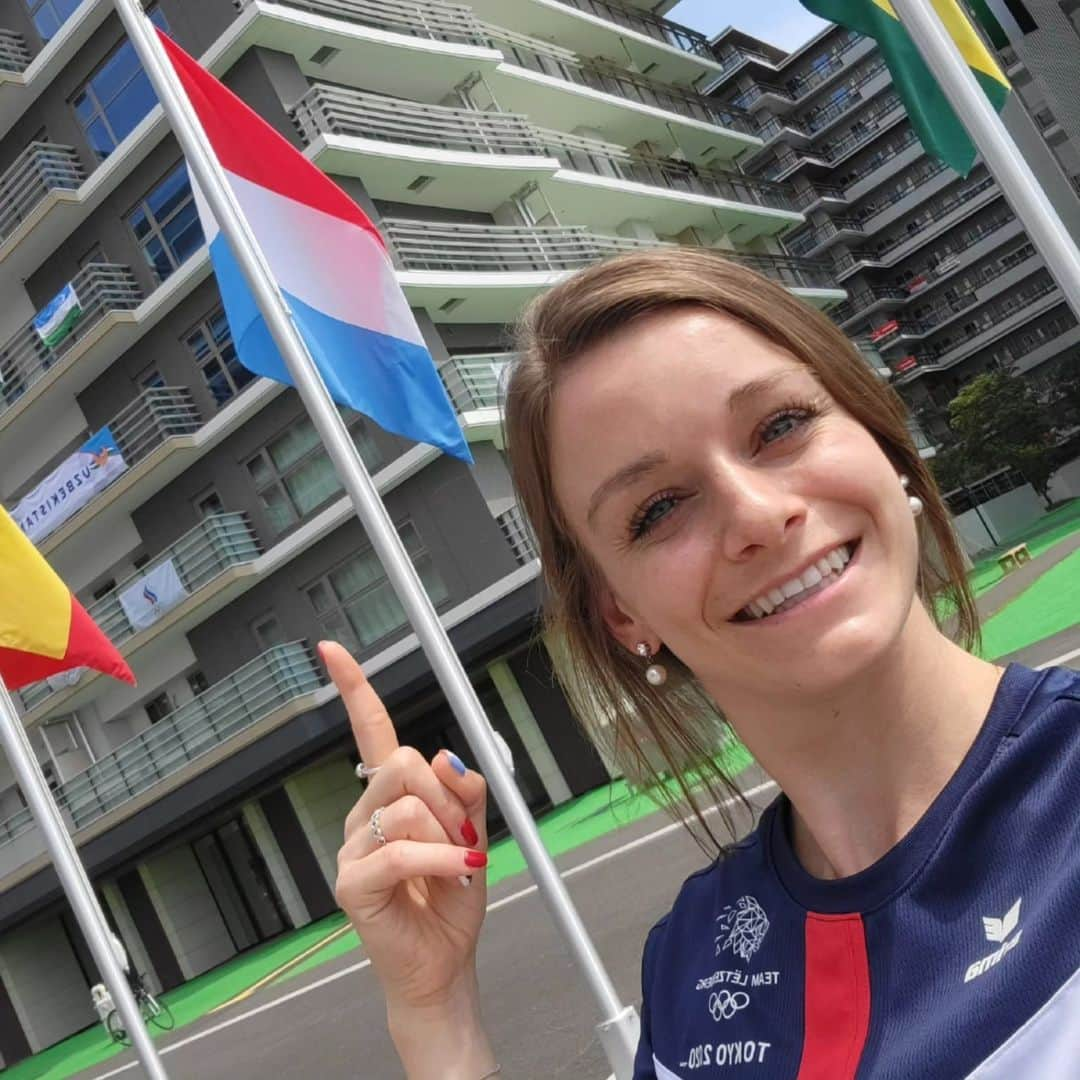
x=733, y=521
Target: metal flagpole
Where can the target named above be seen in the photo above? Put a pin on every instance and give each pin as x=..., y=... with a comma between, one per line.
x=992, y=140
x=74, y=880
x=618, y=1031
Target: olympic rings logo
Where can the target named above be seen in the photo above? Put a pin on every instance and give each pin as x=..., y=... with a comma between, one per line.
x=724, y=1004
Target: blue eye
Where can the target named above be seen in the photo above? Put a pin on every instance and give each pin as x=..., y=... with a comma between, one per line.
x=786, y=421
x=650, y=515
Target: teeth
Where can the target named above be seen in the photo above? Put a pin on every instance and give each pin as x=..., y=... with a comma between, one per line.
x=822, y=571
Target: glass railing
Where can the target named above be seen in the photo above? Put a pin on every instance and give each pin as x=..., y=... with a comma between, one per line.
x=436, y=20
x=280, y=675
x=544, y=58
x=473, y=381
x=645, y=22
x=14, y=55
x=202, y=554
x=100, y=289
x=40, y=169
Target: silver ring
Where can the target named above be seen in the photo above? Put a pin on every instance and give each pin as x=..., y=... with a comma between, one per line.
x=366, y=772
x=376, y=826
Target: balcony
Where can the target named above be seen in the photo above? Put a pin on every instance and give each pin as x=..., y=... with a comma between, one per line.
x=256, y=698
x=816, y=120
x=42, y=179
x=419, y=48
x=947, y=213
x=554, y=86
x=610, y=29
x=829, y=65
x=377, y=138
x=207, y=560
x=889, y=206
x=14, y=55
x=484, y=273
x=518, y=535
x=813, y=241
x=106, y=295
x=738, y=58
x=819, y=197
x=863, y=301
x=20, y=82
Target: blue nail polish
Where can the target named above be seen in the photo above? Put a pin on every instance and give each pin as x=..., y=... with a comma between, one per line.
x=455, y=762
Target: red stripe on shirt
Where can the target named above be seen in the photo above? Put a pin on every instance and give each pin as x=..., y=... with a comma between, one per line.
x=247, y=146
x=837, y=997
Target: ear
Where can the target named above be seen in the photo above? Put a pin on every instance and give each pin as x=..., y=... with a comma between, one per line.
x=625, y=628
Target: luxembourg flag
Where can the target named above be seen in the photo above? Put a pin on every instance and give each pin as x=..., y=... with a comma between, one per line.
x=332, y=266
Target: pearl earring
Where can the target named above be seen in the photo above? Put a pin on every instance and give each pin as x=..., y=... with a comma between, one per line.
x=655, y=674
x=914, y=502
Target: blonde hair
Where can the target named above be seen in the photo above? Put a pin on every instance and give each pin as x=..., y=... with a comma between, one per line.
x=669, y=739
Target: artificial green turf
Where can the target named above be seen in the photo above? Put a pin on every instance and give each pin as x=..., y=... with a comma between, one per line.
x=1050, y=605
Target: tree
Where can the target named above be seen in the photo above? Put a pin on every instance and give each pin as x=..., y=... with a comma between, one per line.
x=999, y=422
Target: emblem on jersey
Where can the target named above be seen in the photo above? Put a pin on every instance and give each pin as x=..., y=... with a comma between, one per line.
x=744, y=926
x=997, y=931
x=723, y=1004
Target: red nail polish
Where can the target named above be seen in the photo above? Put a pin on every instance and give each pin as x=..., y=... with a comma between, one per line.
x=475, y=859
x=469, y=833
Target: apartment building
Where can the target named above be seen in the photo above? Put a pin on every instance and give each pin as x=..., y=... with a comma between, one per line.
x=939, y=272
x=499, y=146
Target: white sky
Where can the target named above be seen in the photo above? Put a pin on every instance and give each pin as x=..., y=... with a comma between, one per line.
x=783, y=22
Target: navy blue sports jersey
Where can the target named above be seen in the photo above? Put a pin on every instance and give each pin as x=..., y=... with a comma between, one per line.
x=955, y=955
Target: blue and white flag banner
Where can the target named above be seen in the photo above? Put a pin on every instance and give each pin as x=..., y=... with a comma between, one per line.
x=70, y=486
x=58, y=317
x=149, y=597
x=62, y=680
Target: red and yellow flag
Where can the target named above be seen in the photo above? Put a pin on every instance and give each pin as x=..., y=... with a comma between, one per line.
x=43, y=628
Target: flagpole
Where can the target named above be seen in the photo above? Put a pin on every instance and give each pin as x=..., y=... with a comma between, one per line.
x=993, y=141
x=73, y=878
x=618, y=1031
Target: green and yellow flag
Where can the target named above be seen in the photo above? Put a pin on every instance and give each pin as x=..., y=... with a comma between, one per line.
x=931, y=115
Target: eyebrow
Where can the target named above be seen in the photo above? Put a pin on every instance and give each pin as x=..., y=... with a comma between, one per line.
x=645, y=464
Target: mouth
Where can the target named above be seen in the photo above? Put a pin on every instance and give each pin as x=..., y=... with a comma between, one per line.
x=817, y=578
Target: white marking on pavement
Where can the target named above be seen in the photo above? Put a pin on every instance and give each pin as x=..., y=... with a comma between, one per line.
x=1058, y=660
x=630, y=845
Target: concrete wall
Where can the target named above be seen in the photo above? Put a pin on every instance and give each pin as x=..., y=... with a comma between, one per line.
x=1065, y=483
x=187, y=910
x=322, y=796
x=275, y=862
x=129, y=934
x=47, y=987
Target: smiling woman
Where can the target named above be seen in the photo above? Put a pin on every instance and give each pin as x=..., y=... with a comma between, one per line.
x=738, y=534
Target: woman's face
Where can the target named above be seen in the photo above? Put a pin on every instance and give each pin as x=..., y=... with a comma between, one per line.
x=704, y=468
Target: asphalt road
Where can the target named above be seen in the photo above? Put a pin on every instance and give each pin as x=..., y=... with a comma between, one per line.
x=329, y=1024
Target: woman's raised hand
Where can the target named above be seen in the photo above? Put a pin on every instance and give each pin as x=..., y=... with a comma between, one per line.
x=419, y=923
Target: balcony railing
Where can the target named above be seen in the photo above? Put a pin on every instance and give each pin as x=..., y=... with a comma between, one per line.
x=879, y=159
x=1017, y=346
x=14, y=55
x=732, y=61
x=217, y=543
x=41, y=168
x=753, y=94
x=101, y=288
x=437, y=20
x=814, y=237
x=339, y=110
x=438, y=246
x=644, y=22
x=544, y=58
x=862, y=299
x=800, y=86
x=473, y=381
x=518, y=535
x=933, y=216
x=890, y=197
x=280, y=675
x=817, y=119
x=803, y=200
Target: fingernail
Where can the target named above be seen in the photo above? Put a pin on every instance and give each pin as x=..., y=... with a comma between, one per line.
x=455, y=762
x=469, y=833
x=475, y=859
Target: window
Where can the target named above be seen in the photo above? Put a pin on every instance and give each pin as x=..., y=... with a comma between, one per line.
x=293, y=475
x=150, y=379
x=209, y=502
x=212, y=344
x=356, y=605
x=140, y=562
x=95, y=255
x=104, y=589
x=50, y=15
x=166, y=223
x=158, y=708
x=267, y=632
x=116, y=97
x=198, y=682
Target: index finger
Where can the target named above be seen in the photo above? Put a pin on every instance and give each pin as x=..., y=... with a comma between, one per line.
x=371, y=725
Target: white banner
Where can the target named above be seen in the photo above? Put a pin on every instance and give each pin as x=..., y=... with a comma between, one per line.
x=147, y=598
x=70, y=486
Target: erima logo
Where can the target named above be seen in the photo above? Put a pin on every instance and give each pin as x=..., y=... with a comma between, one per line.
x=997, y=931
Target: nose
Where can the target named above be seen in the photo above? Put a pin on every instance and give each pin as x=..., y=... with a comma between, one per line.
x=761, y=510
